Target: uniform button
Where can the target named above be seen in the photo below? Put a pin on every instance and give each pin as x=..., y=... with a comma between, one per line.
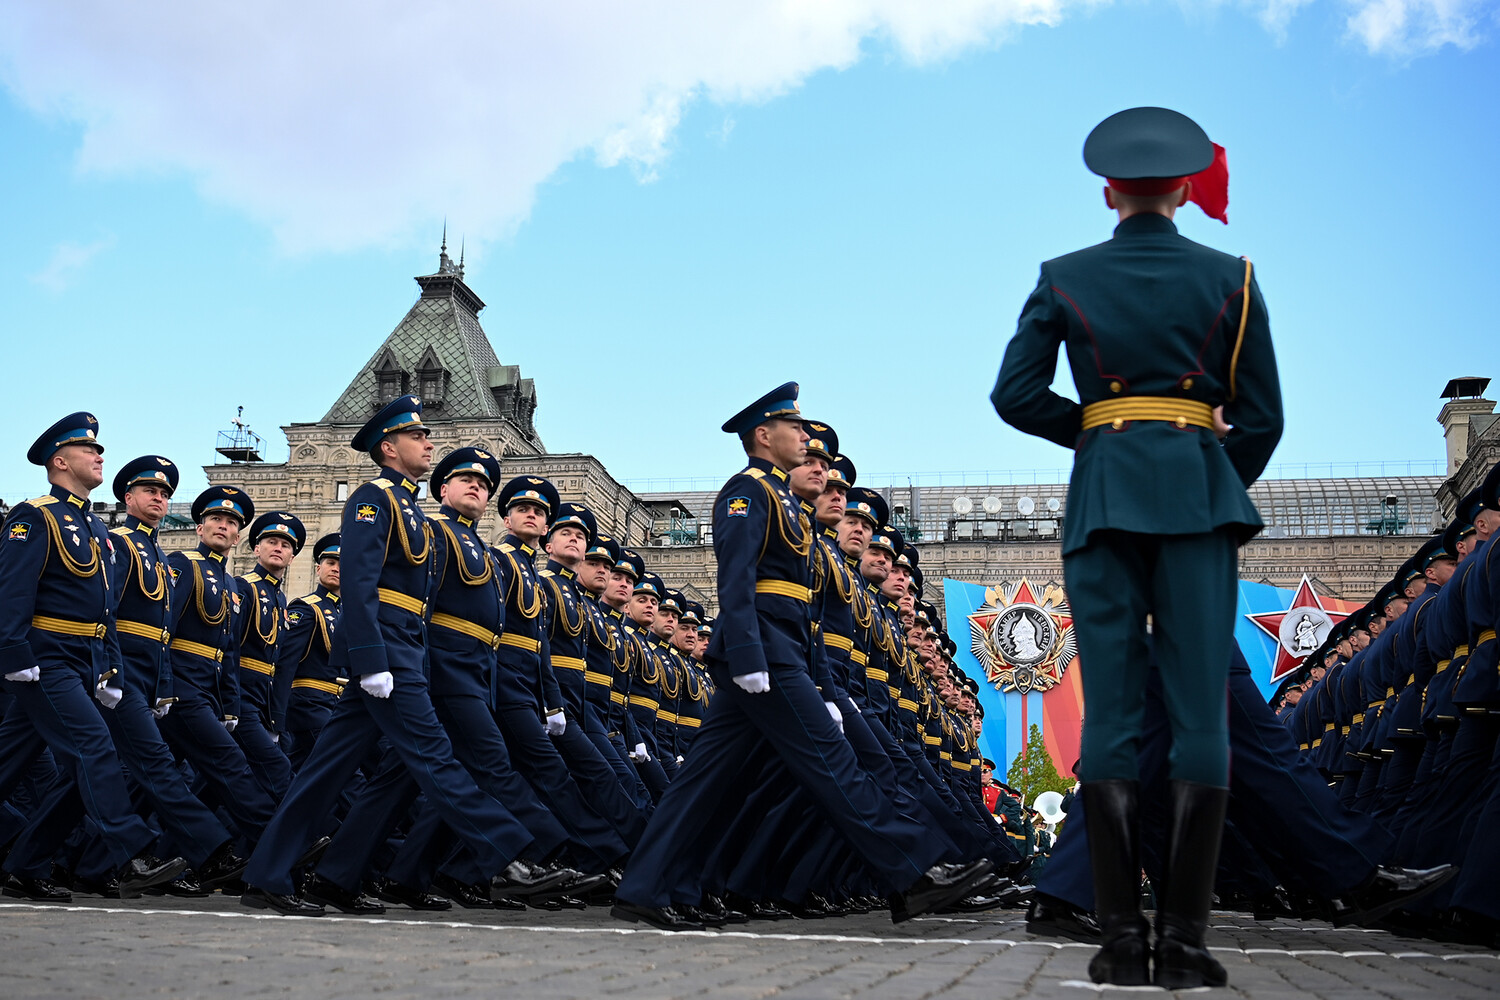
x=1117, y=423
x=1115, y=386
x=1181, y=422
x=1187, y=384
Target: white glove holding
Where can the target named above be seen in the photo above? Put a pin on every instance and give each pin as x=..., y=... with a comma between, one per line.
x=28, y=676
x=557, y=724
x=679, y=758
x=640, y=755
x=378, y=685
x=275, y=737
x=161, y=709
x=756, y=683
x=108, y=694
x=229, y=724
x=838, y=716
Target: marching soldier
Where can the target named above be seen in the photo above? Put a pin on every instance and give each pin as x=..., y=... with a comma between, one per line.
x=59, y=651
x=306, y=686
x=1159, y=332
x=275, y=539
x=767, y=704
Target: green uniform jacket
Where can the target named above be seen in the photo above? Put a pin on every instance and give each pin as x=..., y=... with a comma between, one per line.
x=1149, y=313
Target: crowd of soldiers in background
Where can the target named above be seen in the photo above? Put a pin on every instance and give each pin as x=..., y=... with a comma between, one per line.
x=218, y=687
x=1399, y=709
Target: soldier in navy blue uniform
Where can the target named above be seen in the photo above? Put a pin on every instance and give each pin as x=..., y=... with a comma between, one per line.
x=386, y=569
x=1159, y=331
x=604, y=654
x=761, y=655
x=59, y=651
x=528, y=702
x=467, y=614
x=569, y=537
x=306, y=686
x=275, y=539
x=199, y=727
x=615, y=602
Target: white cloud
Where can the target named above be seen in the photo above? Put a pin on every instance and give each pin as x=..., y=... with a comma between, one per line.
x=1417, y=27
x=343, y=124
x=67, y=260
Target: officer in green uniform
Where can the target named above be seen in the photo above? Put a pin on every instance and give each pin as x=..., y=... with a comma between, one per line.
x=1160, y=332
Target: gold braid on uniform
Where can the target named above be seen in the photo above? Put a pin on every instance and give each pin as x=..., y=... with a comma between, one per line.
x=670, y=689
x=651, y=675
x=268, y=638
x=525, y=610
x=802, y=544
x=75, y=566
x=160, y=590
x=560, y=607
x=217, y=618
x=413, y=557
x=468, y=576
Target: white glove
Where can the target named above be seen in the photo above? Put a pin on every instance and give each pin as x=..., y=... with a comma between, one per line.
x=161, y=709
x=378, y=685
x=679, y=758
x=275, y=737
x=229, y=724
x=108, y=694
x=640, y=754
x=28, y=676
x=838, y=716
x=756, y=683
x=557, y=724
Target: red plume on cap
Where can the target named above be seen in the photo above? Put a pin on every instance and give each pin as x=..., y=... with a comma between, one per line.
x=1210, y=186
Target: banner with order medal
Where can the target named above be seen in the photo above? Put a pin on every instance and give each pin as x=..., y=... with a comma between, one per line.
x=1017, y=639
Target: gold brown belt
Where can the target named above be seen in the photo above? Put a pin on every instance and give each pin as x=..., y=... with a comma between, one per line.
x=860, y=656
x=403, y=601
x=641, y=701
x=145, y=631
x=838, y=642
x=467, y=628
x=689, y=721
x=570, y=663
x=1118, y=412
x=525, y=642
x=259, y=666
x=327, y=687
x=782, y=588
x=63, y=626
x=198, y=649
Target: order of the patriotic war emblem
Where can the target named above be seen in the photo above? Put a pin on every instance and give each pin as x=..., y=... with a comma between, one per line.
x=1023, y=640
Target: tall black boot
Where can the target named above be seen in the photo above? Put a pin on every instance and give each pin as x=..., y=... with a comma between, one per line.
x=1182, y=962
x=1111, y=810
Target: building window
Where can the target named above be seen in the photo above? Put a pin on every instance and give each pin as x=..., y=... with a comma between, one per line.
x=341, y=492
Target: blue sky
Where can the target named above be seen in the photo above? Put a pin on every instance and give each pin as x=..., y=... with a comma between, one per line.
x=857, y=204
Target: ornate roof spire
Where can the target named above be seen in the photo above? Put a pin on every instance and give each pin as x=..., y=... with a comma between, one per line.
x=445, y=263
x=461, y=243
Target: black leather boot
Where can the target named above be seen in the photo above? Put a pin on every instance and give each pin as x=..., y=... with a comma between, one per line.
x=1182, y=962
x=1111, y=809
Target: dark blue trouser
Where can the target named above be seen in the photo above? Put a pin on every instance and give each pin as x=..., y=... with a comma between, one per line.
x=61, y=708
x=194, y=732
x=789, y=721
x=268, y=762
x=625, y=773
x=596, y=778
x=408, y=721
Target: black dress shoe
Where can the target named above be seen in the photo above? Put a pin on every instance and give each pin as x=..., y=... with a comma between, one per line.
x=470, y=897
x=222, y=865
x=332, y=894
x=1386, y=890
x=108, y=888
x=184, y=886
x=412, y=899
x=144, y=871
x=714, y=906
x=663, y=918
x=232, y=887
x=522, y=880
x=856, y=904
x=764, y=909
x=693, y=913
x=287, y=906
x=41, y=890
x=810, y=908
x=582, y=884
x=313, y=854
x=938, y=886
x=1052, y=917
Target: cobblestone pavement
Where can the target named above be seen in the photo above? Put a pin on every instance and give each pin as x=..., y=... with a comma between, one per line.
x=215, y=948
